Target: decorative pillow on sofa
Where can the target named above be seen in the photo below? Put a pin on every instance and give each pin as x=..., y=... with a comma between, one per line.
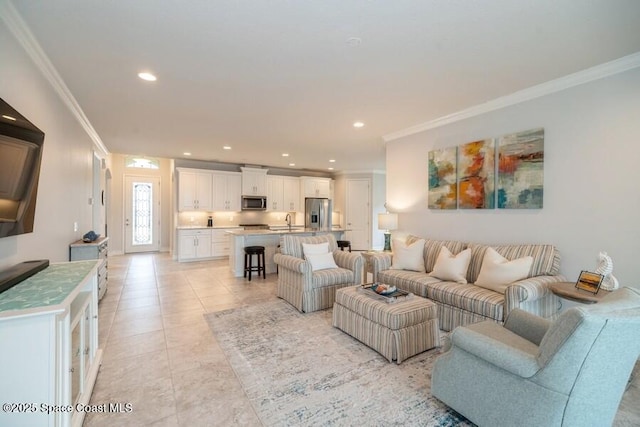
x=314, y=249
x=497, y=272
x=452, y=267
x=408, y=257
x=321, y=261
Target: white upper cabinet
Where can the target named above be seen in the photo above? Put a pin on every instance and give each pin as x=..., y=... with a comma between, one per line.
x=275, y=201
x=283, y=193
x=194, y=190
x=316, y=187
x=291, y=194
x=226, y=191
x=254, y=182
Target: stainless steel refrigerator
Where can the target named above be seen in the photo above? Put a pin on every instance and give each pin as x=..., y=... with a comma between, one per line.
x=317, y=213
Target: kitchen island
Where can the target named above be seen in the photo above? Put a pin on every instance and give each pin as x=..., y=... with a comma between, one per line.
x=270, y=239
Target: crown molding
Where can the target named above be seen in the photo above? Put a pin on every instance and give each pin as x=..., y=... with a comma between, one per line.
x=581, y=77
x=361, y=172
x=25, y=37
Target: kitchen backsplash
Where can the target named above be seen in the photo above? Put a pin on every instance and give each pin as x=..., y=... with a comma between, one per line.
x=236, y=218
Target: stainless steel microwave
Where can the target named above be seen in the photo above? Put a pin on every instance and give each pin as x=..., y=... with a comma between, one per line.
x=254, y=203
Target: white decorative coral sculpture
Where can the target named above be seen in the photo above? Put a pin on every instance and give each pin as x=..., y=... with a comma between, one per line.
x=605, y=267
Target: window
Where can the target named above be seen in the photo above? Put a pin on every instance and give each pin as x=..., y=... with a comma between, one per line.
x=141, y=162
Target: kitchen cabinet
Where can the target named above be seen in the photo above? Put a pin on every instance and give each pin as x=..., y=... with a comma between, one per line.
x=226, y=191
x=194, y=244
x=275, y=201
x=316, y=187
x=50, y=355
x=194, y=189
x=254, y=182
x=97, y=249
x=291, y=194
x=221, y=241
x=283, y=193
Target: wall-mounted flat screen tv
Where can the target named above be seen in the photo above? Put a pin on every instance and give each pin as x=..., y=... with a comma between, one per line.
x=20, y=156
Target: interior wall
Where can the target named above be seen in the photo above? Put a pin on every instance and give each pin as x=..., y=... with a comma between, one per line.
x=65, y=184
x=591, y=175
x=378, y=199
x=377, y=196
x=116, y=210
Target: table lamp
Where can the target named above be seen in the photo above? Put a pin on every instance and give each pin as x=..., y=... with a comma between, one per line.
x=387, y=222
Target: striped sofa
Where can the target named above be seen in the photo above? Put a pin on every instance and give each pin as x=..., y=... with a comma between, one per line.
x=309, y=290
x=461, y=304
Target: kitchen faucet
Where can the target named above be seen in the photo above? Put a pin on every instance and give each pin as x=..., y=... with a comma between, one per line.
x=288, y=219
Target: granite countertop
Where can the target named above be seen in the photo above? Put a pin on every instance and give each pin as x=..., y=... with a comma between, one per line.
x=278, y=231
x=204, y=227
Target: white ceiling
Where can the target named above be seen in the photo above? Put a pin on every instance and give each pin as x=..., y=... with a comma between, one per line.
x=268, y=77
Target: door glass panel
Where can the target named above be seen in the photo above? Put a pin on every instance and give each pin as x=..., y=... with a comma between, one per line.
x=142, y=214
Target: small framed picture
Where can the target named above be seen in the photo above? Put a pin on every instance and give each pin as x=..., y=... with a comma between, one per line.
x=589, y=281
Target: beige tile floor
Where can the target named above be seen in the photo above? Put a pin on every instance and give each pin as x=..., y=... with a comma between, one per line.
x=160, y=356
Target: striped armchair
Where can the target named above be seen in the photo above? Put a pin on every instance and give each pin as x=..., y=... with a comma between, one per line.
x=309, y=290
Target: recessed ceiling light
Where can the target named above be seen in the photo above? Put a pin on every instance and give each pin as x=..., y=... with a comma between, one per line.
x=330, y=169
x=285, y=154
x=186, y=153
x=226, y=147
x=13, y=119
x=147, y=76
x=332, y=160
x=292, y=164
x=358, y=124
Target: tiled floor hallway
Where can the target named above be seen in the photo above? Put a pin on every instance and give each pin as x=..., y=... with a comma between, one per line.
x=160, y=355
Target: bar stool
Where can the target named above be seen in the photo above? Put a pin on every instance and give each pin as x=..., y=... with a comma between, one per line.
x=249, y=251
x=344, y=244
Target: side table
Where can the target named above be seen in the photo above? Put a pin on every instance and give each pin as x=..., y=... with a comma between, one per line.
x=368, y=264
x=569, y=291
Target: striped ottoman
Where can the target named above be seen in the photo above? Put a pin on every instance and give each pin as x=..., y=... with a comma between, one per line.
x=397, y=331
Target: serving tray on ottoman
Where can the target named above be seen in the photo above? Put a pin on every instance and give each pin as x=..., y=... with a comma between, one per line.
x=396, y=331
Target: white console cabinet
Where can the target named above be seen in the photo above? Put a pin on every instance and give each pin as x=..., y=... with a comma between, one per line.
x=50, y=356
x=99, y=249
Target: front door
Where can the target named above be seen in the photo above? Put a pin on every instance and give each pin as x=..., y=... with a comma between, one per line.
x=358, y=212
x=142, y=214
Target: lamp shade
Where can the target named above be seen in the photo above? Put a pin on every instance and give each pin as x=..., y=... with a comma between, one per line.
x=387, y=221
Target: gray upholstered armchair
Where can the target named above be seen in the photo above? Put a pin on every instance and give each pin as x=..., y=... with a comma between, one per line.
x=309, y=290
x=533, y=372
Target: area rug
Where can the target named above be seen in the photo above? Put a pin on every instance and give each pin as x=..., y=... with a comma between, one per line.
x=297, y=369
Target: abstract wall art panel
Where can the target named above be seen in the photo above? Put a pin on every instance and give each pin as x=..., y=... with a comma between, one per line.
x=476, y=175
x=521, y=170
x=442, y=178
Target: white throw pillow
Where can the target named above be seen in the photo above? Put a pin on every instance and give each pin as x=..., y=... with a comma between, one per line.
x=321, y=261
x=497, y=272
x=452, y=267
x=408, y=257
x=315, y=248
